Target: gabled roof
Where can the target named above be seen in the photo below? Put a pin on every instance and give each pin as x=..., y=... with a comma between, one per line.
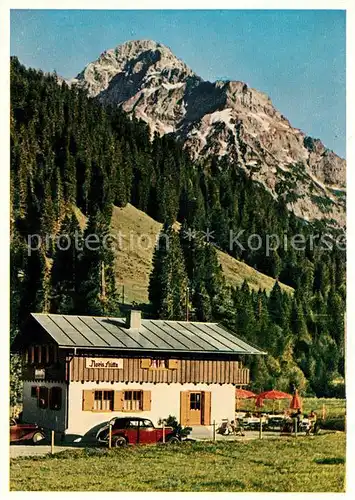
x=89, y=332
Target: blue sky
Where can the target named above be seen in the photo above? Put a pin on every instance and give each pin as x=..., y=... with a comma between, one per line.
x=296, y=57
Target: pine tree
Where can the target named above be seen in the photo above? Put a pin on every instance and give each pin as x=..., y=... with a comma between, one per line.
x=64, y=278
x=168, y=280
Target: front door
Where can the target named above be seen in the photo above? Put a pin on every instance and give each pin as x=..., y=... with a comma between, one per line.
x=195, y=408
x=132, y=430
x=147, y=432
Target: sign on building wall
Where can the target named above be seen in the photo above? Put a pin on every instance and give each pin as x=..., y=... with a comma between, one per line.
x=111, y=363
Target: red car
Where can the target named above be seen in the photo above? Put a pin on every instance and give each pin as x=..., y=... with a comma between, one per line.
x=135, y=430
x=25, y=432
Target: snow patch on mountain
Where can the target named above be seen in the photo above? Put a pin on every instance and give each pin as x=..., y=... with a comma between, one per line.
x=224, y=118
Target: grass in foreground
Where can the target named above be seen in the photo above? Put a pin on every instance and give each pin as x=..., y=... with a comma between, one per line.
x=286, y=464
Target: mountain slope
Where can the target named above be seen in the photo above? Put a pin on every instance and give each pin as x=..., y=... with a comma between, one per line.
x=222, y=119
x=134, y=254
x=133, y=262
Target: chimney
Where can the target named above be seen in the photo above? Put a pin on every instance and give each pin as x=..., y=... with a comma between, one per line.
x=134, y=319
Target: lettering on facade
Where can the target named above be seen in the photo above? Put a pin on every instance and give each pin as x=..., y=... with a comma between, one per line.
x=110, y=363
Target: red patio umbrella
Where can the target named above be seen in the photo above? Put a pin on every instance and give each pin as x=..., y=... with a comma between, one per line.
x=296, y=402
x=271, y=395
x=243, y=394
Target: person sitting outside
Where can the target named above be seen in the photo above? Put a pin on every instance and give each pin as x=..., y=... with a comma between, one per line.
x=237, y=429
x=299, y=417
x=312, y=417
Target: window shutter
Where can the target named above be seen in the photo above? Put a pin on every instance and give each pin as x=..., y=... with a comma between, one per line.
x=173, y=364
x=118, y=400
x=147, y=400
x=88, y=400
x=32, y=354
x=47, y=354
x=207, y=408
x=145, y=363
x=184, y=407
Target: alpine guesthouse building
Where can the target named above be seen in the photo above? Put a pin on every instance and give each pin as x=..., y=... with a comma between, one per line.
x=80, y=371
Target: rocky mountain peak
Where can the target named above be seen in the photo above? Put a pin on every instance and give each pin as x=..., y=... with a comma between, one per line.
x=224, y=119
x=130, y=66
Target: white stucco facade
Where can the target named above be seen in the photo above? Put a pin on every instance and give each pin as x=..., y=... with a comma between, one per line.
x=165, y=401
x=44, y=417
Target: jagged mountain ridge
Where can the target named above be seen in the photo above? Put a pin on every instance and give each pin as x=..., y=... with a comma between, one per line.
x=224, y=119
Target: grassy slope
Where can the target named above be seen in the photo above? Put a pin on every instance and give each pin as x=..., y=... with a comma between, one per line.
x=284, y=464
x=134, y=261
x=135, y=234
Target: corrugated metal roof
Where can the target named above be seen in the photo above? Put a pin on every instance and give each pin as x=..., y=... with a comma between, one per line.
x=153, y=335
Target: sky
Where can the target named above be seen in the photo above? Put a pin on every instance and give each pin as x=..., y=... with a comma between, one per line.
x=296, y=57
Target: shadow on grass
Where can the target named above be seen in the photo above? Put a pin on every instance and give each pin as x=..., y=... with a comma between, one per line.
x=263, y=462
x=223, y=483
x=330, y=461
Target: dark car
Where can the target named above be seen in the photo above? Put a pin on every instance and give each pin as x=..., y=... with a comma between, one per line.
x=135, y=430
x=25, y=432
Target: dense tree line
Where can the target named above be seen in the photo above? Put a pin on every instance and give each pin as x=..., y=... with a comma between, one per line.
x=68, y=151
x=302, y=334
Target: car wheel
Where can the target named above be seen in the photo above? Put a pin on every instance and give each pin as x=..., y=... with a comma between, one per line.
x=174, y=440
x=119, y=442
x=37, y=437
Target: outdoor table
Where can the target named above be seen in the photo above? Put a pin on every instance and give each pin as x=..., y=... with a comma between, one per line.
x=276, y=421
x=240, y=415
x=253, y=422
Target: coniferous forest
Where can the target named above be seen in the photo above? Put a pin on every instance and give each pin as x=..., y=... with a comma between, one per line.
x=68, y=152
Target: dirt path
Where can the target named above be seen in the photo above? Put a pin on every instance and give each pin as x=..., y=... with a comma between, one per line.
x=29, y=451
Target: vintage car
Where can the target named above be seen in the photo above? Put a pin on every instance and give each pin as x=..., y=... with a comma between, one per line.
x=25, y=432
x=135, y=430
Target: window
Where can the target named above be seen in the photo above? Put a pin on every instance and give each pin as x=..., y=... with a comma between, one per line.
x=103, y=401
x=122, y=400
x=133, y=423
x=159, y=363
x=195, y=401
x=34, y=391
x=43, y=397
x=55, y=398
x=155, y=363
x=133, y=400
x=146, y=423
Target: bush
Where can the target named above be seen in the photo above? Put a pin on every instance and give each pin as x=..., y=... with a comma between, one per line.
x=15, y=381
x=171, y=421
x=334, y=424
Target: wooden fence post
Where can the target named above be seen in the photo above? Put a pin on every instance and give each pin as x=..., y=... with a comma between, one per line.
x=110, y=436
x=323, y=412
x=52, y=442
x=214, y=431
x=261, y=428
